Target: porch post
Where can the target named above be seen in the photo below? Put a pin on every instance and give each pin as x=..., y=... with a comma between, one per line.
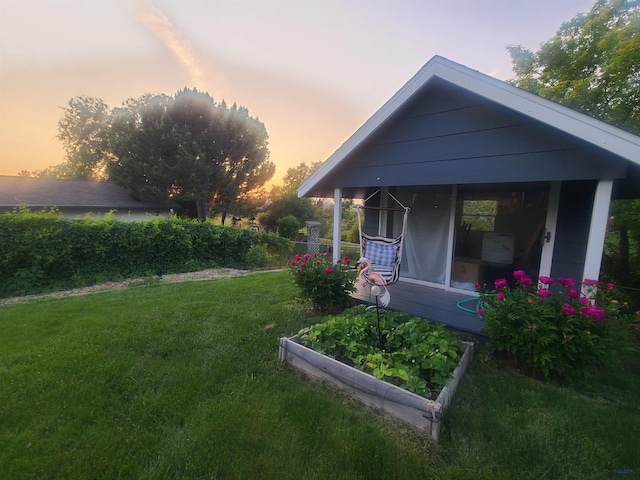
x=550, y=228
x=337, y=222
x=597, y=230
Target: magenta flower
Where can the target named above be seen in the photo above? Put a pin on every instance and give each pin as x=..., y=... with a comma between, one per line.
x=477, y=285
x=573, y=293
x=544, y=293
x=546, y=280
x=584, y=301
x=328, y=271
x=307, y=257
x=480, y=312
x=598, y=313
x=298, y=257
x=567, y=282
x=500, y=283
x=595, y=312
x=518, y=274
x=568, y=309
x=610, y=286
x=567, y=337
x=346, y=260
x=317, y=262
x=531, y=328
x=500, y=296
x=526, y=280
x=303, y=265
x=591, y=282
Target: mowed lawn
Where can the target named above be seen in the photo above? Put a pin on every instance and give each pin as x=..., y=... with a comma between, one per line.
x=182, y=381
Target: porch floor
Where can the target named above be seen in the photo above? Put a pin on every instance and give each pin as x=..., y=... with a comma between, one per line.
x=431, y=303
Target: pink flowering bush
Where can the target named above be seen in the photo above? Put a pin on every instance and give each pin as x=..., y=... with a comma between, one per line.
x=327, y=285
x=556, y=328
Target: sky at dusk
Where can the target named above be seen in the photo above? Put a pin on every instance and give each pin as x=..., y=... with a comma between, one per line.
x=312, y=71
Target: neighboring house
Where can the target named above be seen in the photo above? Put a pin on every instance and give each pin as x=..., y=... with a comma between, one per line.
x=78, y=198
x=497, y=179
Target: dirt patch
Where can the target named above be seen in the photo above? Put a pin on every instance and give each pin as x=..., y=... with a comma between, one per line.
x=209, y=274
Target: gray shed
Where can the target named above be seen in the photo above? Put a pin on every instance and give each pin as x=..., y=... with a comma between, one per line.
x=497, y=179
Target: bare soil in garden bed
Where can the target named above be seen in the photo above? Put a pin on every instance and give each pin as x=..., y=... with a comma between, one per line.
x=209, y=274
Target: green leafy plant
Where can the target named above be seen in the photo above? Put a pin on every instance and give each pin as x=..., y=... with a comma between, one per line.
x=327, y=285
x=556, y=328
x=412, y=353
x=258, y=256
x=42, y=251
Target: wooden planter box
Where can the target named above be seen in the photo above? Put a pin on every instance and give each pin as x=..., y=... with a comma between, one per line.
x=418, y=411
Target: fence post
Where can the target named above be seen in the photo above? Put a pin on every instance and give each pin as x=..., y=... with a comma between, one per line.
x=313, y=237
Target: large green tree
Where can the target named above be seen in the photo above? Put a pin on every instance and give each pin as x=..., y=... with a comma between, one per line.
x=190, y=147
x=84, y=131
x=592, y=65
x=297, y=175
x=185, y=146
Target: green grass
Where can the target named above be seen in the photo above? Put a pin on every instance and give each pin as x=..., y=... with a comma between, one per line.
x=182, y=381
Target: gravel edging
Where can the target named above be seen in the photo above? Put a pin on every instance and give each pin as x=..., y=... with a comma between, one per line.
x=210, y=274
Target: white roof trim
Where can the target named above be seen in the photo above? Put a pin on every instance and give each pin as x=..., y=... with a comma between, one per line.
x=589, y=129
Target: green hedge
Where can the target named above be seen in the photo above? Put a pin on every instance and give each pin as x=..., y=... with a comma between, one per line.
x=43, y=251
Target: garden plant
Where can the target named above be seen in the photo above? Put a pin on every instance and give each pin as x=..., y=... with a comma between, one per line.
x=410, y=352
x=327, y=285
x=557, y=328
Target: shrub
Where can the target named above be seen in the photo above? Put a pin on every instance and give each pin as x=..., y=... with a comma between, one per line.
x=559, y=331
x=44, y=251
x=288, y=227
x=328, y=286
x=257, y=256
x=415, y=354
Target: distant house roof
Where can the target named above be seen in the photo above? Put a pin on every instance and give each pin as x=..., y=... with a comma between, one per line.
x=76, y=194
x=595, y=132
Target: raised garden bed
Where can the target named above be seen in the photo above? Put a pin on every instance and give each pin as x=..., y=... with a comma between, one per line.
x=421, y=412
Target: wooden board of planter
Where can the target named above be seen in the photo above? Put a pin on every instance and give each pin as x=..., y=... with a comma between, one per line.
x=418, y=411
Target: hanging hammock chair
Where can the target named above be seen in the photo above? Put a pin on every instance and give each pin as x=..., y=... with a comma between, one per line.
x=384, y=253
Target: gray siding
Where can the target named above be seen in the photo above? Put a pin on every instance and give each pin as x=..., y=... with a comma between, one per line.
x=450, y=136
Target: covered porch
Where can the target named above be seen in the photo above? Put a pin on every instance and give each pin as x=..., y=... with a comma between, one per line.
x=431, y=303
x=495, y=179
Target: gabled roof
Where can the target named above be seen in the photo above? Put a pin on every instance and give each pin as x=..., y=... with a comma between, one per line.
x=595, y=132
x=84, y=194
